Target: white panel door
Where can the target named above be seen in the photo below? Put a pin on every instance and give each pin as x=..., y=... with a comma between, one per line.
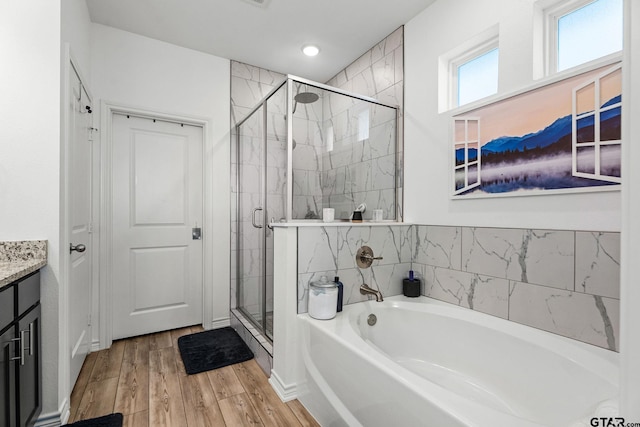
x=79, y=155
x=157, y=202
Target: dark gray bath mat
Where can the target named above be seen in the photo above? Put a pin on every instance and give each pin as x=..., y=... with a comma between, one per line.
x=111, y=420
x=212, y=349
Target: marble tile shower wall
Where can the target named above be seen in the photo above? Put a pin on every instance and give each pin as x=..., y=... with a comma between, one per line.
x=564, y=282
x=357, y=171
x=307, y=167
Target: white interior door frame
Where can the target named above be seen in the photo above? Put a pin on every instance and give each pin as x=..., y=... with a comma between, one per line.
x=107, y=110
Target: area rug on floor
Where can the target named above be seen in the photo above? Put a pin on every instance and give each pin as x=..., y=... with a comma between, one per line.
x=111, y=420
x=212, y=349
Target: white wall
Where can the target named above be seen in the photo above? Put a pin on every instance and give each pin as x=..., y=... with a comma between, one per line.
x=30, y=152
x=440, y=28
x=140, y=72
x=76, y=30
x=630, y=285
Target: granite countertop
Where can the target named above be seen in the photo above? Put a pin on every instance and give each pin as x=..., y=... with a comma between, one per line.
x=19, y=258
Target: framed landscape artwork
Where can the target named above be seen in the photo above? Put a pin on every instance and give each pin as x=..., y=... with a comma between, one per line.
x=561, y=137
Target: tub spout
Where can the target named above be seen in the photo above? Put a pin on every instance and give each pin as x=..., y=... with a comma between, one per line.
x=366, y=290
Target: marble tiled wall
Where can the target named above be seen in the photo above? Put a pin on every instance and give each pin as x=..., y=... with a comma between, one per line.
x=363, y=171
x=565, y=282
x=309, y=144
x=331, y=251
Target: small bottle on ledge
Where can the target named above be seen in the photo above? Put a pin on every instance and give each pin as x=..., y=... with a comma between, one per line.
x=411, y=286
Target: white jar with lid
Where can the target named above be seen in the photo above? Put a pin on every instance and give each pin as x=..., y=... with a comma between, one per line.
x=323, y=299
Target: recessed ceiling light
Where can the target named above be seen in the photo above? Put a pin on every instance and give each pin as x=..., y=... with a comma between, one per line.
x=310, y=50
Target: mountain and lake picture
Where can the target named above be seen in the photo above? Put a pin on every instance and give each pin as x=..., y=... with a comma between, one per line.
x=529, y=143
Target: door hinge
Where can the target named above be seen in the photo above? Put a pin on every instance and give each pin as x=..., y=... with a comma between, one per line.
x=89, y=319
x=90, y=228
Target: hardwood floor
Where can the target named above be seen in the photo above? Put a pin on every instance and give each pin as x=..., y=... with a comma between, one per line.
x=144, y=378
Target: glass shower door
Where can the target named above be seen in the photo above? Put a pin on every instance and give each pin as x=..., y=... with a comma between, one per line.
x=262, y=166
x=250, y=219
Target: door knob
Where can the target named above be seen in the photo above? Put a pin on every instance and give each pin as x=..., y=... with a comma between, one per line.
x=77, y=248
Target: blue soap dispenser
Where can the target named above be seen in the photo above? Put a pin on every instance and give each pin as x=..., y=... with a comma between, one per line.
x=340, y=292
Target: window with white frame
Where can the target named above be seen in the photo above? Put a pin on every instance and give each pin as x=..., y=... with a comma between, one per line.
x=581, y=31
x=474, y=74
x=596, y=138
x=466, y=165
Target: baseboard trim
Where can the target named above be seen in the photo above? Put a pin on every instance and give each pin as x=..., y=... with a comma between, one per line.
x=54, y=419
x=95, y=346
x=284, y=392
x=220, y=323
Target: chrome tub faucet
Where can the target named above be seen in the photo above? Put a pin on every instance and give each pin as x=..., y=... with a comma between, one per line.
x=366, y=290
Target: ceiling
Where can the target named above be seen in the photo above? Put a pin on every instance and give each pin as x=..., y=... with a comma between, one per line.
x=270, y=35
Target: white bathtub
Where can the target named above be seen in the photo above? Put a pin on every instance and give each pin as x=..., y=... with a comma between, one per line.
x=428, y=363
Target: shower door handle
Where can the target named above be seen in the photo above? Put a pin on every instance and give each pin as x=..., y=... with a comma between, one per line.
x=253, y=218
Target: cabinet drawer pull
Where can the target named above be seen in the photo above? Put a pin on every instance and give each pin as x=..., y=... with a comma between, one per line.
x=30, y=332
x=31, y=328
x=22, y=349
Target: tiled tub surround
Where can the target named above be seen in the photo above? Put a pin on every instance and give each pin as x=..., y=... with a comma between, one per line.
x=565, y=282
x=330, y=251
x=19, y=258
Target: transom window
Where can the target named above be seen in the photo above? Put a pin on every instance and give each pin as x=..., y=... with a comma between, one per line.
x=580, y=31
x=478, y=78
x=474, y=73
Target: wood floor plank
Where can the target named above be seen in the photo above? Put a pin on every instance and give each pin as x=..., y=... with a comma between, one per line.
x=165, y=395
x=98, y=399
x=271, y=409
x=81, y=384
x=301, y=413
x=175, y=334
x=196, y=328
x=200, y=402
x=108, y=362
x=225, y=382
x=159, y=340
x=237, y=410
x=133, y=385
x=136, y=348
x=139, y=419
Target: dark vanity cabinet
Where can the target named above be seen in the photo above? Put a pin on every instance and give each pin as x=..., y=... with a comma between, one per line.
x=20, y=362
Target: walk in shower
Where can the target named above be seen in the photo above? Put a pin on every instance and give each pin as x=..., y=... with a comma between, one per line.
x=306, y=146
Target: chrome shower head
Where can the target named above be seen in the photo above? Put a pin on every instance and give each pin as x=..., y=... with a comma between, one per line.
x=306, y=97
